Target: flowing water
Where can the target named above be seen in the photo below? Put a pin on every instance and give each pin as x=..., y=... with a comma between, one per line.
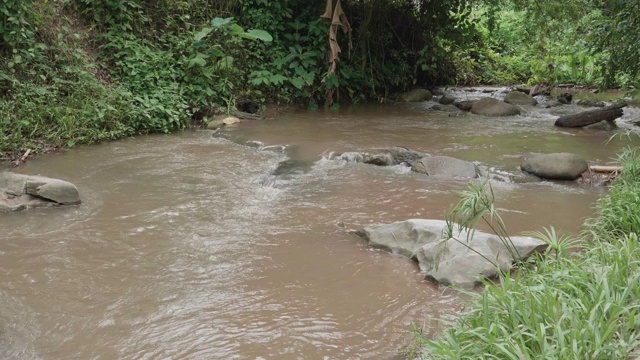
x=188, y=246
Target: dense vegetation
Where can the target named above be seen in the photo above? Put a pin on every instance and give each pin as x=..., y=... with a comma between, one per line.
x=82, y=71
x=563, y=305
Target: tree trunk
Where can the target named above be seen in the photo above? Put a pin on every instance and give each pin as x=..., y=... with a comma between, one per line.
x=590, y=117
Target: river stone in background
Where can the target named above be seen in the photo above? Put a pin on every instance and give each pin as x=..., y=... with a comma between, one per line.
x=416, y=95
x=603, y=125
x=448, y=108
x=447, y=99
x=519, y=98
x=465, y=105
x=230, y=120
x=591, y=103
x=555, y=166
x=449, y=262
x=222, y=120
x=18, y=191
x=445, y=166
x=493, y=107
x=216, y=122
x=405, y=155
x=552, y=103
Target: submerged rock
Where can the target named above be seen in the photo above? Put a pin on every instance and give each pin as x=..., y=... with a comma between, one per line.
x=405, y=155
x=493, y=107
x=519, y=98
x=447, y=108
x=445, y=166
x=385, y=157
x=465, y=105
x=416, y=95
x=461, y=260
x=552, y=103
x=447, y=99
x=590, y=103
x=20, y=191
x=555, y=166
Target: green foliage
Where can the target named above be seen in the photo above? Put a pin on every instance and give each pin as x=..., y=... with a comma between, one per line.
x=164, y=63
x=291, y=68
x=619, y=213
x=477, y=205
x=523, y=38
x=560, y=308
x=15, y=29
x=617, y=35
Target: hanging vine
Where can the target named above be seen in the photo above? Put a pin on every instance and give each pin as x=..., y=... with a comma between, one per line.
x=338, y=20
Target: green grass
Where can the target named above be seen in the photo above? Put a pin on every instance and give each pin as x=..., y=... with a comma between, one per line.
x=584, y=305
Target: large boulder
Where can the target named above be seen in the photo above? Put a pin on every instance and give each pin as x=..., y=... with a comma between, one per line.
x=445, y=166
x=20, y=191
x=462, y=260
x=555, y=166
x=493, y=107
x=519, y=98
x=416, y=95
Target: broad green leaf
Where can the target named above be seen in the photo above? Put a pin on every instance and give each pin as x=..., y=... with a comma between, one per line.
x=202, y=33
x=218, y=22
x=254, y=34
x=297, y=82
x=198, y=60
x=237, y=29
x=225, y=63
x=217, y=51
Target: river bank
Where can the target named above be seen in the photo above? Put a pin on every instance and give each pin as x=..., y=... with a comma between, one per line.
x=563, y=304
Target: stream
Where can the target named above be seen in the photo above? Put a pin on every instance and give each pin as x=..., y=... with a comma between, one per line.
x=189, y=246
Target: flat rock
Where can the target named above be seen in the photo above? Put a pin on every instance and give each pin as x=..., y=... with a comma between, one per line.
x=445, y=166
x=461, y=260
x=555, y=166
x=493, y=107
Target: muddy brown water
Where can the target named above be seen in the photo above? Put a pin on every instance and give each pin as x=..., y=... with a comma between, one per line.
x=189, y=247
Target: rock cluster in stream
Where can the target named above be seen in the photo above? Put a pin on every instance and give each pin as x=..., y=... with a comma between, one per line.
x=554, y=166
x=439, y=166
